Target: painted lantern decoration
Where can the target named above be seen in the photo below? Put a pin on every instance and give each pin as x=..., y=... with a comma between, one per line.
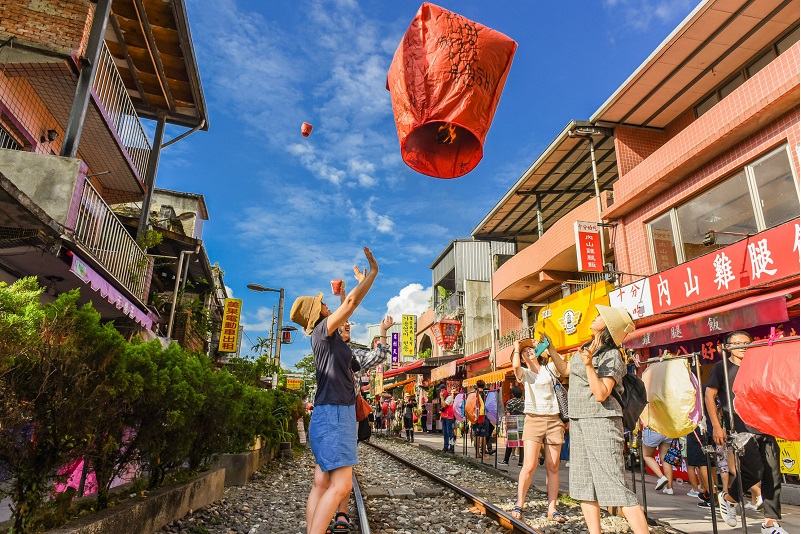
x=446, y=80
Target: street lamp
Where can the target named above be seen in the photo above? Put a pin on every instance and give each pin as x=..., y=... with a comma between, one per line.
x=261, y=289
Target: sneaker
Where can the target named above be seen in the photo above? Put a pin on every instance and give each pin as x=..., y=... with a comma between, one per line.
x=693, y=493
x=503, y=462
x=775, y=528
x=661, y=483
x=567, y=464
x=755, y=507
x=703, y=504
x=728, y=510
x=519, y=464
x=668, y=491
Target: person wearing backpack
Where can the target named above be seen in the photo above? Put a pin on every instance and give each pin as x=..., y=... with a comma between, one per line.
x=597, y=463
x=474, y=411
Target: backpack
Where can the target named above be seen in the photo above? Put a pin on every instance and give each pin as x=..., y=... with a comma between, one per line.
x=474, y=408
x=633, y=401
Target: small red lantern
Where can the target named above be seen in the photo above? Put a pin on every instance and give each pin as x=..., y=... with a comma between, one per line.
x=305, y=129
x=446, y=80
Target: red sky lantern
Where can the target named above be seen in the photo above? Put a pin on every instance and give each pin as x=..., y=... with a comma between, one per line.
x=446, y=80
x=305, y=129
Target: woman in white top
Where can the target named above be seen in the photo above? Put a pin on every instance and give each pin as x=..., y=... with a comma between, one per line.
x=543, y=427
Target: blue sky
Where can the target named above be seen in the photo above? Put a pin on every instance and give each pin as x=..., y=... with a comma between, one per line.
x=294, y=212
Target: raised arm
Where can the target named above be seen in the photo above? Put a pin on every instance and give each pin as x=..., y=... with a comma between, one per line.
x=559, y=362
x=354, y=298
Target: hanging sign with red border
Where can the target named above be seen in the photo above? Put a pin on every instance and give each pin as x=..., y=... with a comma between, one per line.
x=588, y=247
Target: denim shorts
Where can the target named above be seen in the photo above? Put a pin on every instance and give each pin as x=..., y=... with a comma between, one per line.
x=652, y=438
x=332, y=434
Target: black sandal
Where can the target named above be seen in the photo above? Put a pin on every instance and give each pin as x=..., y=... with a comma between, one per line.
x=519, y=511
x=341, y=525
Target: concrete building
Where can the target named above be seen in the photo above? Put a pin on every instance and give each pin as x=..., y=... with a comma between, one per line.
x=77, y=80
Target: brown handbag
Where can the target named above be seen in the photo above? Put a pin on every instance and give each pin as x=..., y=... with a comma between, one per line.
x=363, y=408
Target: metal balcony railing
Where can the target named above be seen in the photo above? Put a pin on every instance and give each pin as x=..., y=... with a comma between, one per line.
x=111, y=92
x=508, y=339
x=105, y=237
x=453, y=305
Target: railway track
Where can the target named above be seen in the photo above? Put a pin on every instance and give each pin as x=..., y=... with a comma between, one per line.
x=475, y=503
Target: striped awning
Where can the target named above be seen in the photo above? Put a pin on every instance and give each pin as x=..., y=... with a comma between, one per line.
x=488, y=378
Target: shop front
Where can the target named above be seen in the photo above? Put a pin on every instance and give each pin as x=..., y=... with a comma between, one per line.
x=751, y=285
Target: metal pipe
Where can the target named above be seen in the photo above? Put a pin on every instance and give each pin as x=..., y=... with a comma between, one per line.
x=705, y=447
x=185, y=134
x=733, y=432
x=77, y=118
x=178, y=271
x=150, y=175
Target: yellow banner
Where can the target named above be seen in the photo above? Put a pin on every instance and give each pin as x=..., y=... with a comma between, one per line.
x=567, y=321
x=788, y=456
x=229, y=335
x=407, y=335
x=293, y=383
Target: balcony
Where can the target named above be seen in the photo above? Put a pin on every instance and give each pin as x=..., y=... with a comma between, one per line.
x=453, y=306
x=113, y=143
x=48, y=200
x=527, y=272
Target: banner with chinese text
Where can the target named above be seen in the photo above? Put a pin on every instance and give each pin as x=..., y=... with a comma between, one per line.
x=408, y=335
x=588, y=247
x=229, y=335
x=395, y=347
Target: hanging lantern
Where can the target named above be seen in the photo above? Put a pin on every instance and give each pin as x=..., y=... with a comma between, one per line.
x=446, y=80
x=445, y=332
x=305, y=129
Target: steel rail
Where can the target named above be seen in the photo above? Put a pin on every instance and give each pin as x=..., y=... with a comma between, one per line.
x=361, y=509
x=485, y=507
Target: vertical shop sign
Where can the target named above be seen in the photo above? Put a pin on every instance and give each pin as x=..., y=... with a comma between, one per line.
x=395, y=347
x=408, y=330
x=588, y=247
x=230, y=325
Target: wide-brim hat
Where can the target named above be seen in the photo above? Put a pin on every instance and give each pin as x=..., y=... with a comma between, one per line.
x=618, y=322
x=306, y=311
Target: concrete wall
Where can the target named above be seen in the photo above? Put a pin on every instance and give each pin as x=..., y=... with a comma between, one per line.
x=49, y=181
x=153, y=512
x=477, y=325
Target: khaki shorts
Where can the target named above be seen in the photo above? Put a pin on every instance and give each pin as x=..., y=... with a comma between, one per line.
x=544, y=429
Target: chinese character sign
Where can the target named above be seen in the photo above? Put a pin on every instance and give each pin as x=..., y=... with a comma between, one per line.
x=588, y=247
x=293, y=383
x=395, y=347
x=229, y=334
x=754, y=261
x=408, y=335
x=635, y=297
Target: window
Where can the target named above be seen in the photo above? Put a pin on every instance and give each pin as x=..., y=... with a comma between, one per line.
x=663, y=243
x=725, y=208
x=762, y=195
x=763, y=60
x=786, y=42
x=730, y=86
x=760, y=63
x=8, y=141
x=777, y=191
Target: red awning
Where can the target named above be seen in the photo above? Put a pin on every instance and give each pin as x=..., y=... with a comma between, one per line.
x=753, y=311
x=475, y=357
x=411, y=367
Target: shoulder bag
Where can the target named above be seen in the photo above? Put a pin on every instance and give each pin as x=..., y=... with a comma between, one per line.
x=561, y=396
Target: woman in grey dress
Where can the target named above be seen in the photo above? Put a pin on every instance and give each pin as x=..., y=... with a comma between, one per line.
x=597, y=468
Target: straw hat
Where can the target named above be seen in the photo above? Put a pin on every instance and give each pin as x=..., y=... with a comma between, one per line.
x=617, y=320
x=306, y=311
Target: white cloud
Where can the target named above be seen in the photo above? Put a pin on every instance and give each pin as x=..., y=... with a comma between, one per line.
x=641, y=14
x=412, y=299
x=229, y=292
